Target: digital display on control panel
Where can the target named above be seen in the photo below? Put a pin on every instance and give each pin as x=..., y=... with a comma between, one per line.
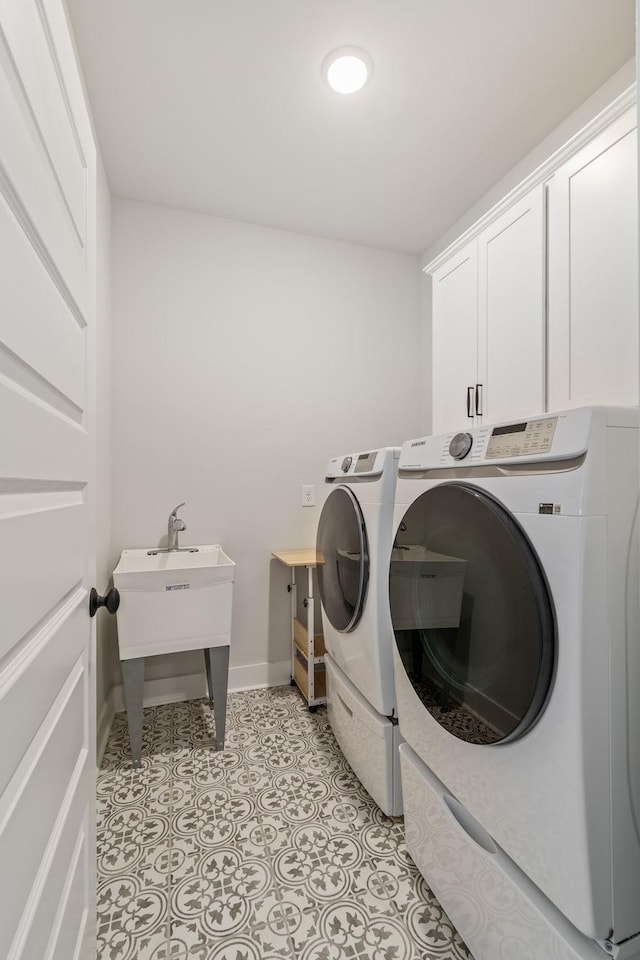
x=365, y=462
x=510, y=428
x=521, y=439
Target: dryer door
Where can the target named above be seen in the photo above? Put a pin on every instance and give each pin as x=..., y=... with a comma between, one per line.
x=472, y=614
x=343, y=562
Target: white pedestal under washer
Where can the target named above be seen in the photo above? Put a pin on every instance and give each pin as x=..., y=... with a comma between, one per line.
x=514, y=600
x=354, y=545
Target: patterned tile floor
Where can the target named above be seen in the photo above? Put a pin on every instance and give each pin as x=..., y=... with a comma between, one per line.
x=268, y=849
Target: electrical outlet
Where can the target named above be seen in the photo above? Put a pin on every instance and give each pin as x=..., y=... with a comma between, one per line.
x=308, y=495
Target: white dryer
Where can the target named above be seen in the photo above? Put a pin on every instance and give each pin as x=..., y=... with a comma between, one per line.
x=514, y=602
x=354, y=544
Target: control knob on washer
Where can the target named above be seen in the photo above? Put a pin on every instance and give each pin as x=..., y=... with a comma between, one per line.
x=460, y=445
x=346, y=463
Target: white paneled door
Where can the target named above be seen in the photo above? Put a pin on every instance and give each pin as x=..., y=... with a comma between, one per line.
x=47, y=456
x=593, y=272
x=455, y=341
x=489, y=323
x=511, y=312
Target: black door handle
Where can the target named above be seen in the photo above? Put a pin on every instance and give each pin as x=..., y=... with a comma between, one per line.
x=111, y=601
x=469, y=394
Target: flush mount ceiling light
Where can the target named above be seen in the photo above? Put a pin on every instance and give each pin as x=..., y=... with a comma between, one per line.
x=347, y=69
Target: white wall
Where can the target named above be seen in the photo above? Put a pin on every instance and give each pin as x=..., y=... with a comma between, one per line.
x=243, y=358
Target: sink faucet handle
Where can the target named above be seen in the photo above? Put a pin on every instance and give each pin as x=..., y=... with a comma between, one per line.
x=174, y=527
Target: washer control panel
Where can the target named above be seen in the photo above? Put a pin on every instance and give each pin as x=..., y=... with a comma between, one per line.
x=546, y=438
x=370, y=465
x=365, y=462
x=521, y=439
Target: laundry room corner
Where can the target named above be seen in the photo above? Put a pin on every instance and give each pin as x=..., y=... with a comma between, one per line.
x=243, y=357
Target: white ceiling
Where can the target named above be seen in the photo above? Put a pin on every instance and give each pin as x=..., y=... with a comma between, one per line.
x=219, y=106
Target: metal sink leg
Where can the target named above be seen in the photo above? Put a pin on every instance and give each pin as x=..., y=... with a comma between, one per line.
x=133, y=676
x=217, y=663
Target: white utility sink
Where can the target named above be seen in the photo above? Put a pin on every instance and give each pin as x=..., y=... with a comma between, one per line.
x=173, y=601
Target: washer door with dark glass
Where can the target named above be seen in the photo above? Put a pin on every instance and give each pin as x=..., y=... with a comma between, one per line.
x=472, y=614
x=343, y=559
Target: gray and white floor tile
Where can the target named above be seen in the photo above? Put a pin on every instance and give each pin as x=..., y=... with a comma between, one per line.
x=267, y=850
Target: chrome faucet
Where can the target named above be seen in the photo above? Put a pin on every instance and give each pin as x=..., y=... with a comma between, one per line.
x=176, y=526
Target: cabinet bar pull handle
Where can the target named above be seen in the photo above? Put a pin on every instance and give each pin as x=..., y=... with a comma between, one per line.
x=469, y=401
x=478, y=400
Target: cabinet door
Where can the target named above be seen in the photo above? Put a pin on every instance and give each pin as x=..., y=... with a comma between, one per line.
x=455, y=339
x=511, y=312
x=593, y=272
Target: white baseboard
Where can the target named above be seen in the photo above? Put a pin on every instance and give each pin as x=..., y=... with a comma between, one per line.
x=194, y=685
x=255, y=675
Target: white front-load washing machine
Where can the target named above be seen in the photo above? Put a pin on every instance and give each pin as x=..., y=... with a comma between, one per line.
x=513, y=589
x=353, y=545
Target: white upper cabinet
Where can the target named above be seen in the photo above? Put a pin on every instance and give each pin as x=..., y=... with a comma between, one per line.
x=593, y=272
x=511, y=312
x=536, y=307
x=455, y=340
x=489, y=323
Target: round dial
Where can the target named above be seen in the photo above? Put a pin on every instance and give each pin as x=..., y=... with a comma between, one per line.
x=460, y=445
x=346, y=463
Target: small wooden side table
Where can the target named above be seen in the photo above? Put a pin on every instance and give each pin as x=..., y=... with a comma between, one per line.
x=307, y=647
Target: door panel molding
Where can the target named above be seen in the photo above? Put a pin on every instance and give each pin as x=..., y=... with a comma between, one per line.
x=46, y=771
